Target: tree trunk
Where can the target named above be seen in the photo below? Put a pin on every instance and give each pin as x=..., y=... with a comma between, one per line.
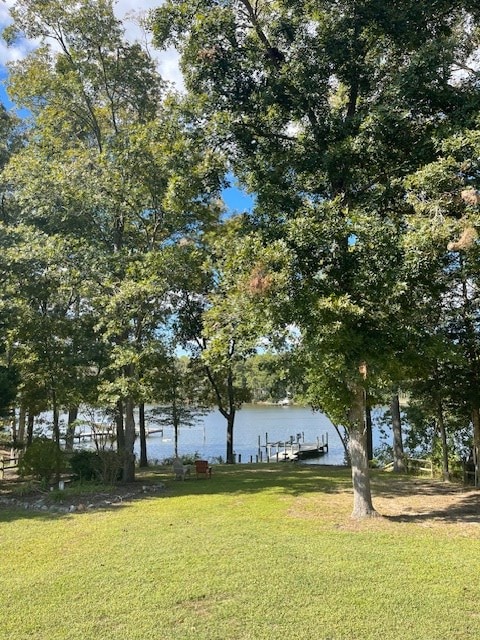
x=230, y=417
x=129, y=456
x=56, y=433
x=143, y=436
x=230, y=423
x=119, y=427
x=175, y=436
x=398, y=454
x=470, y=342
x=22, y=416
x=14, y=425
x=368, y=424
x=362, y=496
x=176, y=425
x=56, y=420
x=69, y=436
x=443, y=439
x=31, y=418
x=476, y=442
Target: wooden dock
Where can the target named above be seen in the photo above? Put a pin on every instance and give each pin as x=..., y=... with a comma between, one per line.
x=107, y=433
x=303, y=451
x=295, y=448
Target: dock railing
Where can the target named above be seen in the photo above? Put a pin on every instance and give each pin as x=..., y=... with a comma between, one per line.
x=290, y=448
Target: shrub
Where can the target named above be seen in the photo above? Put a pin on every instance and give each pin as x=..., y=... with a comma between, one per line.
x=43, y=459
x=102, y=466
x=110, y=466
x=188, y=458
x=84, y=465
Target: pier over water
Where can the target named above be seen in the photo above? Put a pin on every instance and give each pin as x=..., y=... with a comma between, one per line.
x=294, y=448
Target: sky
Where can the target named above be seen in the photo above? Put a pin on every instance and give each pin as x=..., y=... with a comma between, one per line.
x=127, y=11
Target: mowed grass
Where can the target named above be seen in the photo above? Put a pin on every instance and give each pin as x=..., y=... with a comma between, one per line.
x=257, y=552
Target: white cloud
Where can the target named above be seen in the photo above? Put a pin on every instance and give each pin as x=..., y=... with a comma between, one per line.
x=20, y=50
x=122, y=7
x=129, y=13
x=10, y=54
x=168, y=64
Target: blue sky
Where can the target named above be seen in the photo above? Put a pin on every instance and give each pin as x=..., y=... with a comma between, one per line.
x=235, y=199
x=4, y=99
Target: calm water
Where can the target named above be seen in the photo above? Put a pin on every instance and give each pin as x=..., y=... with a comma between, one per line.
x=253, y=422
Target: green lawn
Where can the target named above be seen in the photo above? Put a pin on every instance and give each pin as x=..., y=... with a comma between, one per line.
x=254, y=553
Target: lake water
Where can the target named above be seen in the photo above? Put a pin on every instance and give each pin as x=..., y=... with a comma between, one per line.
x=208, y=436
x=253, y=422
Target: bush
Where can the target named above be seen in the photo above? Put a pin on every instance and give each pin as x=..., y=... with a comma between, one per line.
x=84, y=465
x=102, y=466
x=188, y=458
x=43, y=459
x=110, y=466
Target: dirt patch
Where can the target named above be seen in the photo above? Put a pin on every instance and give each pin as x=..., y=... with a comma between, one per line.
x=398, y=501
x=418, y=500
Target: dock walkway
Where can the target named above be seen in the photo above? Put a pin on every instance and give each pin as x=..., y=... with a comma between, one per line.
x=295, y=448
x=106, y=433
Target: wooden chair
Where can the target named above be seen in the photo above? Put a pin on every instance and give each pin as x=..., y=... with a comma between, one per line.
x=180, y=470
x=202, y=466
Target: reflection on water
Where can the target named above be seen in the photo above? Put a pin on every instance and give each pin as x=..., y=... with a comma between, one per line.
x=254, y=425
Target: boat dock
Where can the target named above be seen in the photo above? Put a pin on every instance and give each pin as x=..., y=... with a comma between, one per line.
x=295, y=448
x=104, y=432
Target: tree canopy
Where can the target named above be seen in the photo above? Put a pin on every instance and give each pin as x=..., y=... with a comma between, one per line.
x=355, y=126
x=327, y=109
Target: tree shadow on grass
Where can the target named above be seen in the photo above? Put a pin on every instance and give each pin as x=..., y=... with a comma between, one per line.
x=465, y=510
x=390, y=485
x=407, y=498
x=12, y=514
x=290, y=479
x=420, y=500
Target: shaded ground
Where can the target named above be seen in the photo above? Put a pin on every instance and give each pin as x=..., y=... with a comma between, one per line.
x=422, y=500
x=323, y=493
x=29, y=494
x=399, y=500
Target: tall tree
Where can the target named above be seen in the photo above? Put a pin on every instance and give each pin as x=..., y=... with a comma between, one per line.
x=218, y=319
x=9, y=142
x=109, y=160
x=52, y=344
x=324, y=108
x=446, y=192
x=175, y=387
